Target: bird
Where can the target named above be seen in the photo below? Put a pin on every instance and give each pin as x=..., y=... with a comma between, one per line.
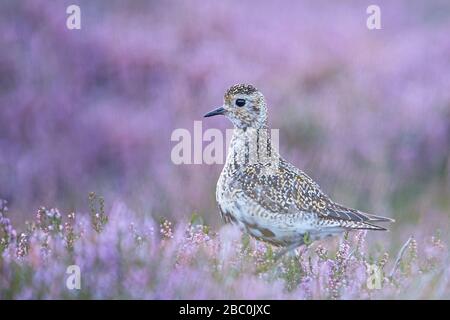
x=266, y=196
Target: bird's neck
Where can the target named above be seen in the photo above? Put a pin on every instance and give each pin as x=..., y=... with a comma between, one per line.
x=249, y=146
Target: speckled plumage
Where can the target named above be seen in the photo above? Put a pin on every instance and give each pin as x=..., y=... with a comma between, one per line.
x=265, y=195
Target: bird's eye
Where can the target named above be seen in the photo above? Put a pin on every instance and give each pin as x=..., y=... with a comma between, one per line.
x=240, y=102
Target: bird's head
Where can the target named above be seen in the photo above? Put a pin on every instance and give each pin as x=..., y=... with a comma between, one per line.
x=245, y=106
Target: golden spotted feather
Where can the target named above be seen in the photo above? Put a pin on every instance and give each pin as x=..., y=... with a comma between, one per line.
x=290, y=190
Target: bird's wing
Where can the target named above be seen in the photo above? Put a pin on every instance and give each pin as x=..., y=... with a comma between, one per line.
x=288, y=190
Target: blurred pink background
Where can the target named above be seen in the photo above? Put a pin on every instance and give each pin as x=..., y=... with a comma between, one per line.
x=366, y=113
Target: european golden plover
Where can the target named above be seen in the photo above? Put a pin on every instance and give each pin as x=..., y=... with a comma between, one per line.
x=265, y=195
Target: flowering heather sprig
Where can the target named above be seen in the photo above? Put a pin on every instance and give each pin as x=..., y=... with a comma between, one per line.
x=381, y=265
x=261, y=254
x=338, y=277
x=413, y=250
x=98, y=216
x=49, y=220
x=437, y=241
x=197, y=234
x=166, y=230
x=360, y=239
x=23, y=245
x=70, y=236
x=411, y=257
x=7, y=232
x=434, y=251
x=322, y=253
x=384, y=259
x=197, y=239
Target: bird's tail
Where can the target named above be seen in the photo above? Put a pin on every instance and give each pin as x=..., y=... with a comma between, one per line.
x=367, y=226
x=358, y=219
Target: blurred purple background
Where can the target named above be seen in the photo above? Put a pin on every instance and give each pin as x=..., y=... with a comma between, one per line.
x=366, y=113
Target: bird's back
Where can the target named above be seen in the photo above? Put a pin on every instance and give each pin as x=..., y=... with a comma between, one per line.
x=285, y=201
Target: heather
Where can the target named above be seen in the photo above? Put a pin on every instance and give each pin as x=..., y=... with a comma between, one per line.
x=123, y=256
x=366, y=113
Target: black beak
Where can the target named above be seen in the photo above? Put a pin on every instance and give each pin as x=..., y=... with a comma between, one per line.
x=215, y=112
